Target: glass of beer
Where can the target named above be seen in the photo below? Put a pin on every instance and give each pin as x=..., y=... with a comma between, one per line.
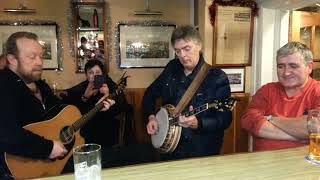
x=313, y=125
x=87, y=162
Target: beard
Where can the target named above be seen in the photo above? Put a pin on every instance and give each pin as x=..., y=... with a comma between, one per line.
x=31, y=75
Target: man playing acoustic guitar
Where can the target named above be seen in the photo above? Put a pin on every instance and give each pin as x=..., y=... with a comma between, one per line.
x=26, y=99
x=201, y=134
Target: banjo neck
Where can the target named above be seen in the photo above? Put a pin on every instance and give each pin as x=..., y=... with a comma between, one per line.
x=217, y=105
x=197, y=110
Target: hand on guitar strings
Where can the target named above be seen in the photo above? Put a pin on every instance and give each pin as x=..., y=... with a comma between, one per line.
x=152, y=126
x=58, y=150
x=188, y=122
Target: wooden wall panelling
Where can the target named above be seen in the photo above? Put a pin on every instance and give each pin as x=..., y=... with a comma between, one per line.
x=241, y=137
x=236, y=138
x=134, y=97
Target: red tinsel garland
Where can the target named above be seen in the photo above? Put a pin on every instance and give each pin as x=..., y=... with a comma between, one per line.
x=242, y=3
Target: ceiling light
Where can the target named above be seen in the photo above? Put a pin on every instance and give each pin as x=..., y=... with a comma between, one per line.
x=21, y=9
x=147, y=11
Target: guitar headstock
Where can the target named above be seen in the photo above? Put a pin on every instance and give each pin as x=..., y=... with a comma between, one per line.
x=122, y=83
x=223, y=105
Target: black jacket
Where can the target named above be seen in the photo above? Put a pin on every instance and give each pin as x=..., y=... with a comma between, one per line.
x=19, y=107
x=171, y=85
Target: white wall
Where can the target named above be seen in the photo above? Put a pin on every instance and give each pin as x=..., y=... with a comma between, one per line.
x=271, y=32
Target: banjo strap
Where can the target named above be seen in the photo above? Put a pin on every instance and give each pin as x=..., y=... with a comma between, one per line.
x=187, y=96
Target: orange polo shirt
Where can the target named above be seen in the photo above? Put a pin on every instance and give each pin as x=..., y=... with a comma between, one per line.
x=271, y=99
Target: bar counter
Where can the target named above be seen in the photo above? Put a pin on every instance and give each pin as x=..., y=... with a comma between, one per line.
x=273, y=165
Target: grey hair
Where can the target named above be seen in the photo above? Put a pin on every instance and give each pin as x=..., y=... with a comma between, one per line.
x=186, y=33
x=296, y=47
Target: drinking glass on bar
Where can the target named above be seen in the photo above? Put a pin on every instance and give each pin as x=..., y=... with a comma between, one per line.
x=87, y=162
x=313, y=125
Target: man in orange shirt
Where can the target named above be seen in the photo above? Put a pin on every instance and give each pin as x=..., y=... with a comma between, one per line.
x=276, y=116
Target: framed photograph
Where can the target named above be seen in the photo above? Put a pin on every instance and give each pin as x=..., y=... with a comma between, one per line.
x=47, y=34
x=236, y=78
x=145, y=45
x=233, y=32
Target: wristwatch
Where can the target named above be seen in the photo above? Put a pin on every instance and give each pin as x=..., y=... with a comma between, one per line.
x=269, y=118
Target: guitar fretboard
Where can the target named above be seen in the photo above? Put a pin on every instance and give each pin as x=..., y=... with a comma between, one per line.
x=69, y=132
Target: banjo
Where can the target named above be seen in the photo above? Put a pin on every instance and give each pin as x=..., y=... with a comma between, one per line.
x=168, y=135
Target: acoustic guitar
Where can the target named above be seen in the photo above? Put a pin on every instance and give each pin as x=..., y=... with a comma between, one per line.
x=63, y=127
x=168, y=135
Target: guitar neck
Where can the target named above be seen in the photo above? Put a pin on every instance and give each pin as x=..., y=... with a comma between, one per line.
x=86, y=117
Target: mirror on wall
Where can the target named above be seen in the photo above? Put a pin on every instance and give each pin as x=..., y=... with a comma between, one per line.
x=89, y=34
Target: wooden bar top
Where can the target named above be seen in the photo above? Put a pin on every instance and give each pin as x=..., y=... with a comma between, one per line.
x=273, y=165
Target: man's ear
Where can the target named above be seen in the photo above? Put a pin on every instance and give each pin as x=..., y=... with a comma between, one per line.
x=12, y=60
x=310, y=66
x=199, y=45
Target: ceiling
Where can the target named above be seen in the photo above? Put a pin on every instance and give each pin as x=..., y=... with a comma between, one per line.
x=286, y=4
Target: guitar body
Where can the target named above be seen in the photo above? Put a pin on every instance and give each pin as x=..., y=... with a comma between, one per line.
x=25, y=168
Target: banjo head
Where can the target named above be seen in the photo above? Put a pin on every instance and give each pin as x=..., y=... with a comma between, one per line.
x=163, y=125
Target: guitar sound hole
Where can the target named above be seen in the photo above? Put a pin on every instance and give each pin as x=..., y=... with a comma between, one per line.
x=68, y=139
x=66, y=134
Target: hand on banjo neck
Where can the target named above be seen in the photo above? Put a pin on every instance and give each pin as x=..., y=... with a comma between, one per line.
x=188, y=119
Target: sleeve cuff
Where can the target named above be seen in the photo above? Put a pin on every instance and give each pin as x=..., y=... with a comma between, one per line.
x=258, y=127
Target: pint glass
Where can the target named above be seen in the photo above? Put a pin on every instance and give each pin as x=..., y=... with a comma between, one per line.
x=313, y=124
x=87, y=162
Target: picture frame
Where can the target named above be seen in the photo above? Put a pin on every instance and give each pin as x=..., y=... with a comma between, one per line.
x=236, y=76
x=145, y=45
x=47, y=34
x=233, y=35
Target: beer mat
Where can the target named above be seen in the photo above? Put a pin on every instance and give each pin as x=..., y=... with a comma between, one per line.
x=308, y=159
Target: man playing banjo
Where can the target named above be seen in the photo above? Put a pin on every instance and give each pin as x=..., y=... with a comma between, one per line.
x=194, y=135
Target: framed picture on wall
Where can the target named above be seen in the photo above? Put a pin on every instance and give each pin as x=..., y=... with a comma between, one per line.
x=233, y=36
x=47, y=34
x=236, y=76
x=232, y=23
x=145, y=44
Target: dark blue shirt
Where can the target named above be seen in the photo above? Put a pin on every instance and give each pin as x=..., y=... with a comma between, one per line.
x=171, y=85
